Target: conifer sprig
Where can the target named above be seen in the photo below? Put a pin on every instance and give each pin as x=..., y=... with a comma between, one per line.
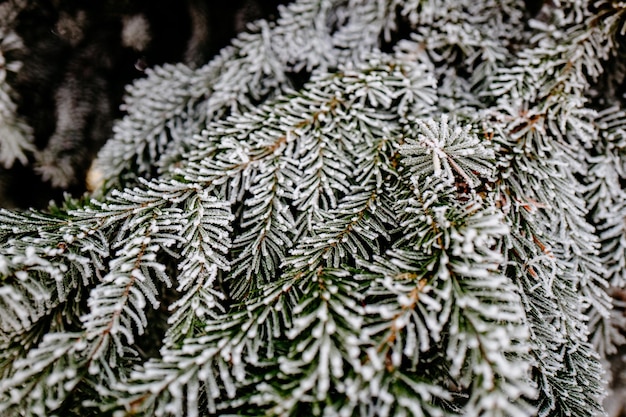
x=382, y=208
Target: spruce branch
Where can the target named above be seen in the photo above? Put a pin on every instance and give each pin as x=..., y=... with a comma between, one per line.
x=16, y=136
x=254, y=68
x=380, y=208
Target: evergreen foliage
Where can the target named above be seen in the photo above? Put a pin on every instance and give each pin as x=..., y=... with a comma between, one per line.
x=372, y=208
x=15, y=133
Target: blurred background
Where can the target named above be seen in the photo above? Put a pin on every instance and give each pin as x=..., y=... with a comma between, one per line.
x=64, y=65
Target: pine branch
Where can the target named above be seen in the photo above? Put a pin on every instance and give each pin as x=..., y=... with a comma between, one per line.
x=233, y=82
x=17, y=136
x=308, y=225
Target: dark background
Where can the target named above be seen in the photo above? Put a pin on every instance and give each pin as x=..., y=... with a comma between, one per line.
x=76, y=62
